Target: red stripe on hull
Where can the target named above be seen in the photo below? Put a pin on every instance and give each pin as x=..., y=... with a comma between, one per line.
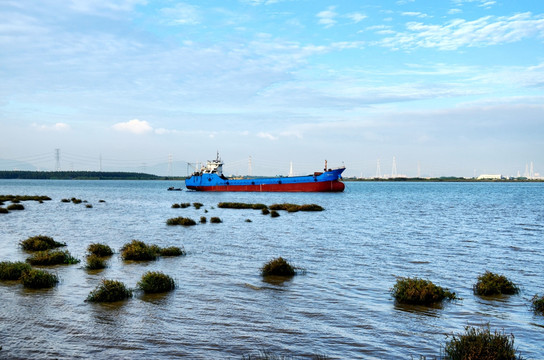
x=325, y=186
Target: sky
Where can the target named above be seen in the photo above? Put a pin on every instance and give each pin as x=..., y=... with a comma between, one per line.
x=432, y=88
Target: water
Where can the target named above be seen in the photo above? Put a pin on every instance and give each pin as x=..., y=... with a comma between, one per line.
x=341, y=307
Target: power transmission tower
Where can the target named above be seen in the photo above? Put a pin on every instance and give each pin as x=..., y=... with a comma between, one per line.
x=418, y=169
x=249, y=167
x=378, y=170
x=57, y=159
x=394, y=168
x=291, y=169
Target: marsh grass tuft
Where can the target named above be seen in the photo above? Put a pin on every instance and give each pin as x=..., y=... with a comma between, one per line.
x=12, y=270
x=215, y=220
x=40, y=243
x=175, y=206
x=139, y=251
x=278, y=267
x=38, y=279
x=76, y=201
x=99, y=249
x=95, y=262
x=88, y=206
x=52, y=257
x=156, y=282
x=180, y=221
x=481, y=344
x=172, y=251
x=265, y=211
x=420, y=292
x=3, y=210
x=274, y=213
x=202, y=219
x=15, y=207
x=197, y=205
x=19, y=198
x=294, y=207
x=493, y=284
x=109, y=291
x=537, y=303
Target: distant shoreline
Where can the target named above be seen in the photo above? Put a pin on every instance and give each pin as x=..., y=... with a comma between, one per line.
x=115, y=175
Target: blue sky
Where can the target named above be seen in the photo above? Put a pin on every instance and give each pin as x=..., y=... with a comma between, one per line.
x=445, y=87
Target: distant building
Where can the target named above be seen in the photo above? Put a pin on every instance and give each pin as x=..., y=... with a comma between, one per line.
x=490, y=177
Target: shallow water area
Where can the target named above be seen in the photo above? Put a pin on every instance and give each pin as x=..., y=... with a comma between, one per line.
x=341, y=307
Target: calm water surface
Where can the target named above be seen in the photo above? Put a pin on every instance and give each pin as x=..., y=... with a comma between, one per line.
x=353, y=252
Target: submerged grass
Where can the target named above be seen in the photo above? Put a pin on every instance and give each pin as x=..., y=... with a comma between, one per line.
x=180, y=221
x=40, y=243
x=138, y=250
x=38, y=279
x=420, y=292
x=99, y=249
x=95, y=262
x=109, y=291
x=12, y=270
x=52, y=257
x=537, y=303
x=278, y=267
x=481, y=344
x=494, y=284
x=267, y=355
x=172, y=251
x=156, y=282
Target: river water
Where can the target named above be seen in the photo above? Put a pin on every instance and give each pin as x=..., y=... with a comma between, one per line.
x=341, y=307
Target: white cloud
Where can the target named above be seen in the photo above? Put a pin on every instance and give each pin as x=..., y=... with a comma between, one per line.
x=55, y=127
x=356, y=17
x=485, y=31
x=134, y=126
x=326, y=17
x=415, y=14
x=268, y=136
x=181, y=14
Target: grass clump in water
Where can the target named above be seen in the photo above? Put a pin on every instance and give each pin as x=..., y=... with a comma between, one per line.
x=15, y=207
x=197, y=205
x=203, y=220
x=3, y=210
x=215, y=220
x=481, y=344
x=294, y=207
x=180, y=221
x=38, y=279
x=12, y=270
x=156, y=282
x=493, y=284
x=138, y=250
x=95, y=262
x=278, y=267
x=538, y=304
x=274, y=213
x=55, y=257
x=110, y=291
x=175, y=206
x=172, y=251
x=76, y=201
x=40, y=243
x=99, y=249
x=265, y=211
x=419, y=292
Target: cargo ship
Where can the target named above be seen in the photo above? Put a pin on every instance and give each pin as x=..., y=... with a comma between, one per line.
x=211, y=178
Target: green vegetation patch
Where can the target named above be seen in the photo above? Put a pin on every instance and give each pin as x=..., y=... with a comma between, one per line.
x=12, y=270
x=294, y=207
x=156, y=282
x=278, y=267
x=109, y=291
x=99, y=249
x=181, y=221
x=172, y=251
x=95, y=262
x=237, y=205
x=493, y=284
x=140, y=251
x=538, y=304
x=481, y=344
x=419, y=291
x=52, y=257
x=18, y=198
x=38, y=279
x=15, y=207
x=40, y=243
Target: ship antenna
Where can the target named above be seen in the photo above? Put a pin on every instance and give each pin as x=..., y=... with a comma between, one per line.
x=325, y=166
